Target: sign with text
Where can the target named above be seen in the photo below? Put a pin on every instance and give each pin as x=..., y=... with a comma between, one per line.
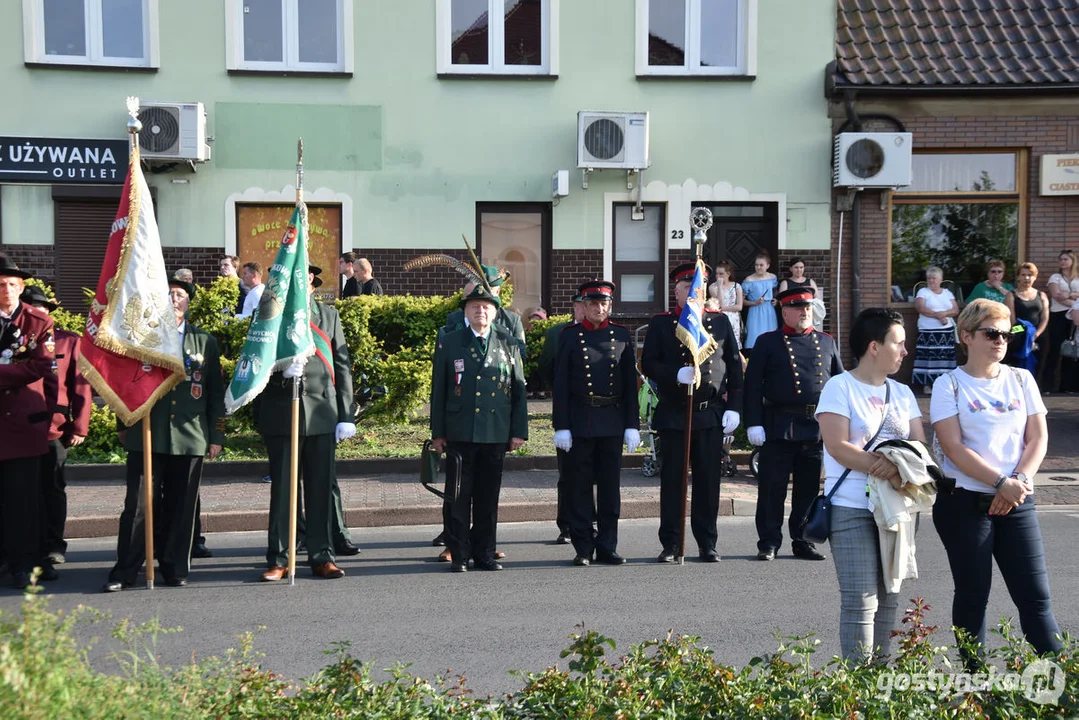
x=1060, y=174
x=62, y=160
x=260, y=228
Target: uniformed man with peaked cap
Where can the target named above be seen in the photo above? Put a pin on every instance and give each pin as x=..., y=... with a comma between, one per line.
x=784, y=378
x=478, y=411
x=716, y=406
x=595, y=410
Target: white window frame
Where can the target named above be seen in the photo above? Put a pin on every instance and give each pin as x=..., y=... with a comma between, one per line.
x=496, y=50
x=746, y=51
x=33, y=13
x=234, y=41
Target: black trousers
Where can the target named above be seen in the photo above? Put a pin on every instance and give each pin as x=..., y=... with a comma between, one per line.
x=594, y=461
x=52, y=506
x=317, y=469
x=20, y=495
x=474, y=513
x=779, y=459
x=705, y=454
x=176, y=492
x=1058, y=330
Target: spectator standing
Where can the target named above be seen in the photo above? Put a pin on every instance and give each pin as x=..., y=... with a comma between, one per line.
x=346, y=266
x=1063, y=289
x=365, y=276
x=725, y=296
x=757, y=292
x=934, y=354
x=230, y=268
x=1028, y=306
x=993, y=287
x=252, y=280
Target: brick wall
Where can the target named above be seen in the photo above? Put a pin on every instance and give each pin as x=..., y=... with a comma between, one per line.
x=41, y=260
x=36, y=259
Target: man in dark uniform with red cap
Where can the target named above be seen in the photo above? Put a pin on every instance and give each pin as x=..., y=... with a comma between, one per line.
x=716, y=406
x=70, y=425
x=595, y=411
x=784, y=378
x=27, y=398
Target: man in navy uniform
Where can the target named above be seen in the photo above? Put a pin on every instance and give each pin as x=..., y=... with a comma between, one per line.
x=479, y=411
x=595, y=411
x=546, y=367
x=784, y=378
x=716, y=406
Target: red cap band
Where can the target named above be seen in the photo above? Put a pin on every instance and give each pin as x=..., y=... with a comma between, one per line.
x=801, y=297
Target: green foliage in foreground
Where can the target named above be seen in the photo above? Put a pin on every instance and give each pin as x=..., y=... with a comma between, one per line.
x=45, y=673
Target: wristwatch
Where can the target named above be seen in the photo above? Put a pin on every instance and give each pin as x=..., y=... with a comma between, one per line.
x=1021, y=478
x=1001, y=479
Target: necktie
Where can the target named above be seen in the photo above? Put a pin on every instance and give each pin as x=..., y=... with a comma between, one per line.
x=483, y=344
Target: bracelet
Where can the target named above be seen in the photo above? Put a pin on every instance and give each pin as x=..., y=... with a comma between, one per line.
x=1001, y=479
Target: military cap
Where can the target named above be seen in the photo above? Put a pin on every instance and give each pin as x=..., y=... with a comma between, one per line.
x=796, y=297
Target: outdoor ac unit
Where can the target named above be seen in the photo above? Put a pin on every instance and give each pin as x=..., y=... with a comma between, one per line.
x=872, y=160
x=612, y=140
x=173, y=131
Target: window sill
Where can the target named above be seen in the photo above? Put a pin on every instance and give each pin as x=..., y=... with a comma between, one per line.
x=240, y=72
x=696, y=76
x=494, y=76
x=90, y=66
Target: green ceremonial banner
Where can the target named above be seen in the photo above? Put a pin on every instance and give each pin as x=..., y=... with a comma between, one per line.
x=281, y=328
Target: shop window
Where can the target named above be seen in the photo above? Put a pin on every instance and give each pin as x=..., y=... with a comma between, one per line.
x=961, y=210
x=103, y=33
x=496, y=37
x=696, y=37
x=290, y=35
x=638, y=266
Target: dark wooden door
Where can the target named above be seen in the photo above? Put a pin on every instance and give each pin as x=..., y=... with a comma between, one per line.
x=738, y=233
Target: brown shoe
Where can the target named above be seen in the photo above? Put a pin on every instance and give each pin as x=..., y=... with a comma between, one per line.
x=328, y=571
x=445, y=556
x=275, y=573
x=499, y=554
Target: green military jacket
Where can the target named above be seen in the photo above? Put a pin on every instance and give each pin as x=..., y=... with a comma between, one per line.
x=474, y=397
x=509, y=321
x=326, y=399
x=192, y=416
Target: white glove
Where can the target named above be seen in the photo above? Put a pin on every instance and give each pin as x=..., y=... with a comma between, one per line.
x=756, y=435
x=730, y=421
x=686, y=376
x=296, y=368
x=345, y=431
x=563, y=440
x=632, y=439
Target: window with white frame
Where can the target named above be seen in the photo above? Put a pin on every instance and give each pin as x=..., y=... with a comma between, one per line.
x=497, y=37
x=106, y=33
x=289, y=35
x=697, y=37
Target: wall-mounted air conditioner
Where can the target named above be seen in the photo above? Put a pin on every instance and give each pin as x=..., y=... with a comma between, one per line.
x=872, y=160
x=173, y=131
x=612, y=140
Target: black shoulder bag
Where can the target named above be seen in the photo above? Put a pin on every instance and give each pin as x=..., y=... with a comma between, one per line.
x=817, y=523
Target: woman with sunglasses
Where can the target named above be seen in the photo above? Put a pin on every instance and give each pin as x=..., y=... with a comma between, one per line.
x=990, y=421
x=993, y=287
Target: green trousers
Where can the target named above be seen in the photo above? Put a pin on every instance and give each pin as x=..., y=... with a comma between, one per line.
x=317, y=467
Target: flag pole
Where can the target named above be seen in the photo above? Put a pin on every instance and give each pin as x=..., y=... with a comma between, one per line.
x=294, y=454
x=133, y=128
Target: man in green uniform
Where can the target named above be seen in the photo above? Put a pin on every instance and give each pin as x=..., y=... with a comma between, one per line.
x=327, y=416
x=508, y=320
x=185, y=426
x=478, y=410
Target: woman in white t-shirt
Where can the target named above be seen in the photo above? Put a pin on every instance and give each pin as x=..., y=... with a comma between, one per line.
x=851, y=409
x=935, y=352
x=1063, y=291
x=990, y=421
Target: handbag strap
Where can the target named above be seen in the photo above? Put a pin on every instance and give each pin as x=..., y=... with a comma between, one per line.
x=883, y=416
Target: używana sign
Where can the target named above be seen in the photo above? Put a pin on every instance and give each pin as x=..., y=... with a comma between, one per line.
x=62, y=160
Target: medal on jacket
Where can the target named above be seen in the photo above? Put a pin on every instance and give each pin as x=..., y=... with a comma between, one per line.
x=196, y=390
x=459, y=371
x=5, y=357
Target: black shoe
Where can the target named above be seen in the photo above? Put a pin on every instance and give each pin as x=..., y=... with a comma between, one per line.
x=667, y=556
x=611, y=558
x=344, y=547
x=563, y=538
x=116, y=586
x=200, y=551
x=767, y=554
x=176, y=582
x=709, y=556
x=459, y=567
x=805, y=551
x=487, y=565
x=440, y=541
x=56, y=558
x=301, y=547
x=48, y=573
x=20, y=580
x=581, y=561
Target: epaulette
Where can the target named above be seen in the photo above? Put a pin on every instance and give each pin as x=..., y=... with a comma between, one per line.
x=711, y=310
x=823, y=333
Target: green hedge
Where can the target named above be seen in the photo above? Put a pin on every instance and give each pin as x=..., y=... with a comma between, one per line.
x=45, y=672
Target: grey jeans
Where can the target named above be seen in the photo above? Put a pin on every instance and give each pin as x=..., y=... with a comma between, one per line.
x=866, y=611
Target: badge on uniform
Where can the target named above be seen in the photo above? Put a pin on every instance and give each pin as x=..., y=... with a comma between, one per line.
x=197, y=376
x=196, y=390
x=50, y=344
x=459, y=371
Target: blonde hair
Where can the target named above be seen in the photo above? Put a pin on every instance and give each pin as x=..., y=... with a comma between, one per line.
x=1073, y=270
x=1029, y=266
x=977, y=313
x=995, y=263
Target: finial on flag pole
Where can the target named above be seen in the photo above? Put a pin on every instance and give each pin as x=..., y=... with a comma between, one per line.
x=700, y=219
x=134, y=125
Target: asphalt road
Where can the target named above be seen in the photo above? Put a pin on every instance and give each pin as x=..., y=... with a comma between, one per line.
x=398, y=605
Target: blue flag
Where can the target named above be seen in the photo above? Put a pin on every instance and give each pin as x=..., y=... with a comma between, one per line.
x=690, y=330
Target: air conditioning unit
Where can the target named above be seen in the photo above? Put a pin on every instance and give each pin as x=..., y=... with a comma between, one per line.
x=612, y=140
x=872, y=160
x=173, y=131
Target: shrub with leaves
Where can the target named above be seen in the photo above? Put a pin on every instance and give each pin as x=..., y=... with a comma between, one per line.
x=62, y=318
x=534, y=340
x=102, y=443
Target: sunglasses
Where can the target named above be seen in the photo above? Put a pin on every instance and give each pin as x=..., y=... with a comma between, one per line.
x=992, y=334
